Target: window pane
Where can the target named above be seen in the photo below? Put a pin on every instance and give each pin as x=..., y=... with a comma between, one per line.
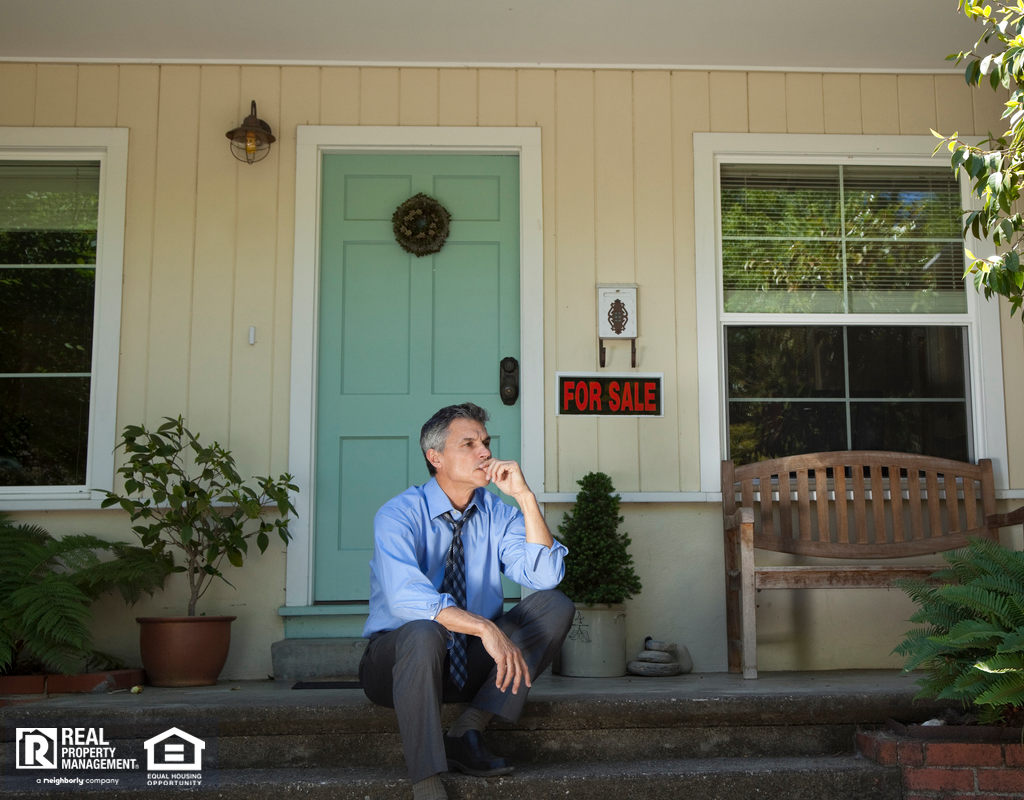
x=903, y=387
x=782, y=276
x=44, y=426
x=774, y=256
x=46, y=320
x=906, y=277
x=49, y=215
x=788, y=361
x=49, y=196
x=932, y=429
x=783, y=200
x=898, y=362
x=47, y=247
x=758, y=431
x=901, y=202
x=892, y=245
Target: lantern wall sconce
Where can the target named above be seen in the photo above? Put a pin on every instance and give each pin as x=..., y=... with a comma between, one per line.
x=250, y=141
x=616, y=316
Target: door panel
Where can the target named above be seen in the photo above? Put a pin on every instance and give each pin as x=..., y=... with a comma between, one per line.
x=401, y=336
x=375, y=314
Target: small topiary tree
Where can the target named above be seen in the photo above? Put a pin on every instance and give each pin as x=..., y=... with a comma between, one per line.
x=598, y=568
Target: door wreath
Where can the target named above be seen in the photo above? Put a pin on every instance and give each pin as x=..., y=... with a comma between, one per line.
x=421, y=225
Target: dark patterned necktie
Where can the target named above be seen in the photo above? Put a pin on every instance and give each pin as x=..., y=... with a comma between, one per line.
x=454, y=583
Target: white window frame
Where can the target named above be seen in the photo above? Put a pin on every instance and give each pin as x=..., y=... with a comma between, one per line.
x=109, y=146
x=710, y=150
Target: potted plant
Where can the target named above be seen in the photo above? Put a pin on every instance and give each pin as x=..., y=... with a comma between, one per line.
x=972, y=646
x=599, y=576
x=47, y=586
x=188, y=496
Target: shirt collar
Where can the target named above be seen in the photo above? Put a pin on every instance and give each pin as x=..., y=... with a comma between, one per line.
x=438, y=502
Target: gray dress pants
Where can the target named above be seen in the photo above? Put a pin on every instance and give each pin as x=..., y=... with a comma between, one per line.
x=407, y=669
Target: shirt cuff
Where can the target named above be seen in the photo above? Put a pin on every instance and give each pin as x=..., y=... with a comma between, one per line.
x=535, y=553
x=445, y=601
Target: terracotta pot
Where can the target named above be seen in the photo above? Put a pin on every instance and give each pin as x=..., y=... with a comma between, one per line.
x=184, y=651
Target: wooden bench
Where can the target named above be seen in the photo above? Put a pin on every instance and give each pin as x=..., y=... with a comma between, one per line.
x=844, y=505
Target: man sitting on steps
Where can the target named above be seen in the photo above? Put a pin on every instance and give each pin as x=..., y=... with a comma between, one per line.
x=436, y=628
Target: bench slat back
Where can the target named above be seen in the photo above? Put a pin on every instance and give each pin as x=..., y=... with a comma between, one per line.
x=867, y=504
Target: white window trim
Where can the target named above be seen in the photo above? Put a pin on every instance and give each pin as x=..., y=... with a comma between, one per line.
x=981, y=319
x=311, y=143
x=109, y=146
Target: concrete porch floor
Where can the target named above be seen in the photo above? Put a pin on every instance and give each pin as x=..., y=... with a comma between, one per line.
x=862, y=687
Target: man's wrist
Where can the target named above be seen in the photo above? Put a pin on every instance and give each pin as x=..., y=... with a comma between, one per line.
x=526, y=497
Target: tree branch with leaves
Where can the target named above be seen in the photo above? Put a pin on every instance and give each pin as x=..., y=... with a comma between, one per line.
x=189, y=496
x=996, y=164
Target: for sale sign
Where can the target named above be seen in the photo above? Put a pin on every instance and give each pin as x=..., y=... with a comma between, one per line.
x=632, y=394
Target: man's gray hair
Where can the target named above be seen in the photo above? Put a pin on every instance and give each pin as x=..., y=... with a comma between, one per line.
x=434, y=433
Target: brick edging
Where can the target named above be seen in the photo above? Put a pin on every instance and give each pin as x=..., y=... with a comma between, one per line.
x=950, y=769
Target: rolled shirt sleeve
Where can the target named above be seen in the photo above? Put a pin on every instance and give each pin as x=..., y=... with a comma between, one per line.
x=527, y=563
x=397, y=567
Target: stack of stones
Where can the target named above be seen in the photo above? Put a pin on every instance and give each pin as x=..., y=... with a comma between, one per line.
x=659, y=659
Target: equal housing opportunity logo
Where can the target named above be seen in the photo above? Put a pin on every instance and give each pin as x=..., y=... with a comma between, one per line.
x=122, y=754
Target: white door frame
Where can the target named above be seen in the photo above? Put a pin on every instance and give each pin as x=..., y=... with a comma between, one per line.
x=312, y=141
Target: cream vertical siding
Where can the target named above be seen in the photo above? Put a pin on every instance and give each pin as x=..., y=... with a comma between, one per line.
x=208, y=254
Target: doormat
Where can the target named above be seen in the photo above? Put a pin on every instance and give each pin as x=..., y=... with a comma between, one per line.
x=328, y=685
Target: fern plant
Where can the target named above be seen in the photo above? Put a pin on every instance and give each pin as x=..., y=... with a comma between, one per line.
x=972, y=648
x=598, y=568
x=47, y=586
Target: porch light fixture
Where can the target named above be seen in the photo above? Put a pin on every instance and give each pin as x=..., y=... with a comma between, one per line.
x=250, y=141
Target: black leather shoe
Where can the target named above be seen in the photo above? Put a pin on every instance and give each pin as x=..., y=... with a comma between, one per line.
x=467, y=754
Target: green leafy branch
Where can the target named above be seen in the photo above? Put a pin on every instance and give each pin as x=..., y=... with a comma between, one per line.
x=996, y=164
x=190, y=496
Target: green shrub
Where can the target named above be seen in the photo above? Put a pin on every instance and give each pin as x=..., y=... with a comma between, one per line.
x=47, y=586
x=598, y=568
x=972, y=648
x=189, y=496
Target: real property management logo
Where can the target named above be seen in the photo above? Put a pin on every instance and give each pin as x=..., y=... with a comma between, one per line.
x=74, y=755
x=67, y=749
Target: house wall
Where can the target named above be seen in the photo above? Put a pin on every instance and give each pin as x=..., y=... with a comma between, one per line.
x=208, y=253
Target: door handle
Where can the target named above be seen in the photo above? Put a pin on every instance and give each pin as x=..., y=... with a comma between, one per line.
x=508, y=381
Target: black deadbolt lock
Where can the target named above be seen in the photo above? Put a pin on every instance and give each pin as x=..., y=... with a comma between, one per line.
x=508, y=381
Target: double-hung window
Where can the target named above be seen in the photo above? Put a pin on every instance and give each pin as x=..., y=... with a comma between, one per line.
x=841, y=317
x=62, y=197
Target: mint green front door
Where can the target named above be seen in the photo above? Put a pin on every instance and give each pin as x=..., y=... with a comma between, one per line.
x=401, y=336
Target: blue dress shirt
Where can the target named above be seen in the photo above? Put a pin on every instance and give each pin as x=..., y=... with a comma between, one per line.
x=410, y=542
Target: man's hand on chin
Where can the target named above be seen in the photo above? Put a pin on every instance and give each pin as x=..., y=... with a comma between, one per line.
x=507, y=476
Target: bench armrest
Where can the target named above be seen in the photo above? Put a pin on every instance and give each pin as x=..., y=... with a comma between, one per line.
x=743, y=516
x=1005, y=520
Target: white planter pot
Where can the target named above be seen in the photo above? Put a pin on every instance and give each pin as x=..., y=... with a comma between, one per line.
x=596, y=644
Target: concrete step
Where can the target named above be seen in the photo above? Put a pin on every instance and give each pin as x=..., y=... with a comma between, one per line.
x=572, y=722
x=301, y=659
x=825, y=778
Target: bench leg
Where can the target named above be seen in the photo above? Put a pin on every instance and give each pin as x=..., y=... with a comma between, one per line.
x=749, y=646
